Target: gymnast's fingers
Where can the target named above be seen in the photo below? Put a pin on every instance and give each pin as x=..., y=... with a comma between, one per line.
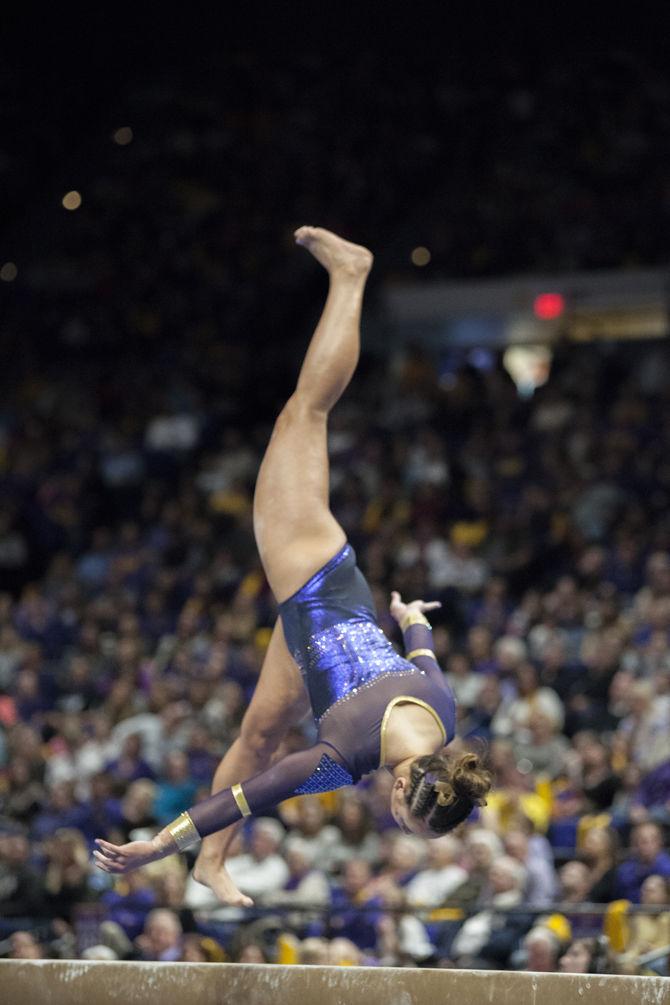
x=430, y=605
x=106, y=846
x=101, y=862
x=101, y=856
x=111, y=859
x=110, y=868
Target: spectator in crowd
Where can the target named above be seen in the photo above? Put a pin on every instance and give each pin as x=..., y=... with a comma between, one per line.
x=599, y=850
x=403, y=940
x=542, y=950
x=61, y=811
x=478, y=721
x=356, y=907
x=433, y=885
x=197, y=948
x=24, y=946
x=647, y=732
x=357, y=837
x=21, y=885
x=463, y=681
x=649, y=931
x=67, y=877
x=593, y=772
x=316, y=834
x=531, y=699
x=129, y=766
x=575, y=881
x=482, y=848
x=587, y=956
x=516, y=792
x=306, y=884
x=73, y=758
x=480, y=649
x=647, y=859
x=103, y=807
x=202, y=762
x=405, y=856
x=161, y=937
x=487, y=937
x=252, y=952
x=24, y=795
x=136, y=810
x=543, y=748
x=176, y=789
x=314, y=951
x=98, y=952
x=541, y=883
x=113, y=936
x=131, y=900
x=343, y=953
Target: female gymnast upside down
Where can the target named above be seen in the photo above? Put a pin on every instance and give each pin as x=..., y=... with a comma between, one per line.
x=372, y=707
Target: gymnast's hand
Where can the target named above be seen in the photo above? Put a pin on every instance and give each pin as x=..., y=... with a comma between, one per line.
x=398, y=609
x=125, y=857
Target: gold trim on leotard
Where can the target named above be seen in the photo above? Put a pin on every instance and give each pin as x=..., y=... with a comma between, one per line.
x=409, y=699
x=420, y=652
x=241, y=800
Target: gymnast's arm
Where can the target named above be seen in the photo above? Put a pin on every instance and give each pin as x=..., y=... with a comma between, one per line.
x=320, y=768
x=416, y=633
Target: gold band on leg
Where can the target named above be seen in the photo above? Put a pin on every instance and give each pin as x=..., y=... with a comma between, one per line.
x=241, y=800
x=184, y=832
x=420, y=652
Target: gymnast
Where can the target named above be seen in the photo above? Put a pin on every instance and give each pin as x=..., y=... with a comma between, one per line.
x=373, y=708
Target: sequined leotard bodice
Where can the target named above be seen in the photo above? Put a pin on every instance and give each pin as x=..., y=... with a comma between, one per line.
x=354, y=678
x=350, y=668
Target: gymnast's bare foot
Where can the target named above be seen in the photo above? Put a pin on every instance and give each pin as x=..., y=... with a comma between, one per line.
x=335, y=254
x=213, y=873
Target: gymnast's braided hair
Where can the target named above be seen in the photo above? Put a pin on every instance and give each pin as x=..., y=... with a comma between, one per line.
x=443, y=791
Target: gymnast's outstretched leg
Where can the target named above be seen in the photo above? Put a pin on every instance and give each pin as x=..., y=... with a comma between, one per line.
x=295, y=531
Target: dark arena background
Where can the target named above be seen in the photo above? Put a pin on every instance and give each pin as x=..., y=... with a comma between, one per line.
x=503, y=449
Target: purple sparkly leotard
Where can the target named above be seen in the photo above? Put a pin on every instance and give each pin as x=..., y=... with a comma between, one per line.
x=354, y=678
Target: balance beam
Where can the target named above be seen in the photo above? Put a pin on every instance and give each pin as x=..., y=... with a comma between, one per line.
x=78, y=982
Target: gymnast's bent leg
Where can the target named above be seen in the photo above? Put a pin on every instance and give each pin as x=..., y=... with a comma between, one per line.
x=279, y=702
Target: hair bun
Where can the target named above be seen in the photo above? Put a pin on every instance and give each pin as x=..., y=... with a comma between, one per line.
x=470, y=779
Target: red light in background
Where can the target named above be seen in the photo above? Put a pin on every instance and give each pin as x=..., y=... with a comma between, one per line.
x=549, y=306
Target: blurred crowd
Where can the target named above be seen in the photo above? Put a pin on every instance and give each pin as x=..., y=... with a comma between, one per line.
x=150, y=341
x=136, y=619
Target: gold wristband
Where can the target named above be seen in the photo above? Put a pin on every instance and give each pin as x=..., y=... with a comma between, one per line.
x=184, y=832
x=241, y=800
x=413, y=618
x=420, y=652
